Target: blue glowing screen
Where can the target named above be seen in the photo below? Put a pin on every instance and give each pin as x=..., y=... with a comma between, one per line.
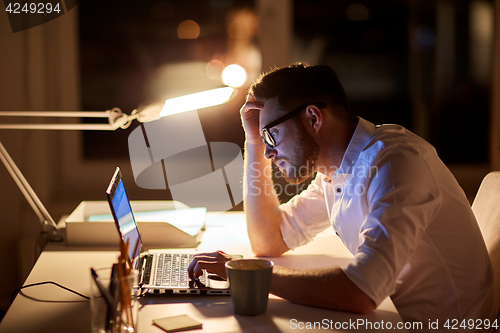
x=126, y=221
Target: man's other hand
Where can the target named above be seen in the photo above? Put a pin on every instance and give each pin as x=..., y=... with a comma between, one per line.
x=249, y=113
x=211, y=262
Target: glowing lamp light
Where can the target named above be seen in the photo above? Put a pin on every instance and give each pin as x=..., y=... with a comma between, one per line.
x=234, y=76
x=116, y=119
x=196, y=101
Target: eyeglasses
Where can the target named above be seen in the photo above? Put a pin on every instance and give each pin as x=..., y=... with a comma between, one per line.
x=265, y=132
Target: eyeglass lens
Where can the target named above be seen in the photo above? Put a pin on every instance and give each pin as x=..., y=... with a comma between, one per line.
x=267, y=138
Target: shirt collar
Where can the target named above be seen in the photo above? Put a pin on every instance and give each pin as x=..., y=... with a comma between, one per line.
x=363, y=134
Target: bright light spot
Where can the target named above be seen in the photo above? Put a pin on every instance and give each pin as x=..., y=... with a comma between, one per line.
x=196, y=101
x=214, y=69
x=188, y=29
x=357, y=12
x=234, y=76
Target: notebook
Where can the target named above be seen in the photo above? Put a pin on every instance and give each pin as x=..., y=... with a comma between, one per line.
x=159, y=272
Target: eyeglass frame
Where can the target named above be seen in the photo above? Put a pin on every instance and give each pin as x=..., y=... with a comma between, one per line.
x=265, y=131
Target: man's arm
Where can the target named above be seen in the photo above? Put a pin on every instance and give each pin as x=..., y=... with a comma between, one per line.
x=261, y=203
x=327, y=288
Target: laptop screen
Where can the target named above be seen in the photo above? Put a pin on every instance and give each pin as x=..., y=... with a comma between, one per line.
x=124, y=218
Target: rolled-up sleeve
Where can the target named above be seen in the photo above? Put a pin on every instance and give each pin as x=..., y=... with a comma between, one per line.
x=305, y=215
x=403, y=199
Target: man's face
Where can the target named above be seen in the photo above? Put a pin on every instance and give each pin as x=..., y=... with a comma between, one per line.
x=296, y=151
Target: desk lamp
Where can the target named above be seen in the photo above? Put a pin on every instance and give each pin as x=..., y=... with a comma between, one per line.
x=116, y=119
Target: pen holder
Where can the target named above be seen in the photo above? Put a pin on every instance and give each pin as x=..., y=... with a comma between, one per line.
x=113, y=301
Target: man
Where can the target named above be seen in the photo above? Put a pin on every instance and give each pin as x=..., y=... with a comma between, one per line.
x=383, y=189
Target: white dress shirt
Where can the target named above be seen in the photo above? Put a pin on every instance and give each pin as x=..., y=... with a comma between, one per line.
x=408, y=223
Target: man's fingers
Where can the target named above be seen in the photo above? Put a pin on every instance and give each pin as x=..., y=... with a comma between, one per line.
x=251, y=98
x=253, y=105
x=216, y=267
x=212, y=262
x=248, y=111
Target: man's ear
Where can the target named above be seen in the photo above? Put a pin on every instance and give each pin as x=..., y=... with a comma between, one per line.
x=314, y=118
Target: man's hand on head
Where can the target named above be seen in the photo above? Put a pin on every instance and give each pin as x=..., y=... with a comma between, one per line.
x=249, y=113
x=211, y=262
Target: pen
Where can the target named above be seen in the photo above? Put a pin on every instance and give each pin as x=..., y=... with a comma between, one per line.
x=113, y=289
x=105, y=293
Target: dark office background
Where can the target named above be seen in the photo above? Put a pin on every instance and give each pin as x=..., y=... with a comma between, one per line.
x=371, y=44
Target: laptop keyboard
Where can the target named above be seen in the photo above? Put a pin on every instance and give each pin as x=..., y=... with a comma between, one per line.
x=172, y=270
x=147, y=271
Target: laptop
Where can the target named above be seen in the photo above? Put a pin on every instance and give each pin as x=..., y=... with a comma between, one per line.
x=159, y=272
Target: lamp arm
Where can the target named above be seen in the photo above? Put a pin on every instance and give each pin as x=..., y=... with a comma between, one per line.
x=43, y=215
x=116, y=119
x=66, y=114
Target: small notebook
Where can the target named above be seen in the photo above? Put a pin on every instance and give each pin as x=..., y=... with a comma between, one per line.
x=177, y=323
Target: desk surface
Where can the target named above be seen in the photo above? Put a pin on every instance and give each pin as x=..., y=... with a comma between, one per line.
x=47, y=308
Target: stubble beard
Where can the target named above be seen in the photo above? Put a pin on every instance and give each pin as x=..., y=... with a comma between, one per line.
x=304, y=156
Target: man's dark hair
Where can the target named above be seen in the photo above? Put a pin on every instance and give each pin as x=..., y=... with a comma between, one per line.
x=299, y=84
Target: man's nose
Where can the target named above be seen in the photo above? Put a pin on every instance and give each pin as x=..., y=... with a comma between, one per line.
x=270, y=153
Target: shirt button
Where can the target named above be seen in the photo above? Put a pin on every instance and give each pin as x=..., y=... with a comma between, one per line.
x=339, y=190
